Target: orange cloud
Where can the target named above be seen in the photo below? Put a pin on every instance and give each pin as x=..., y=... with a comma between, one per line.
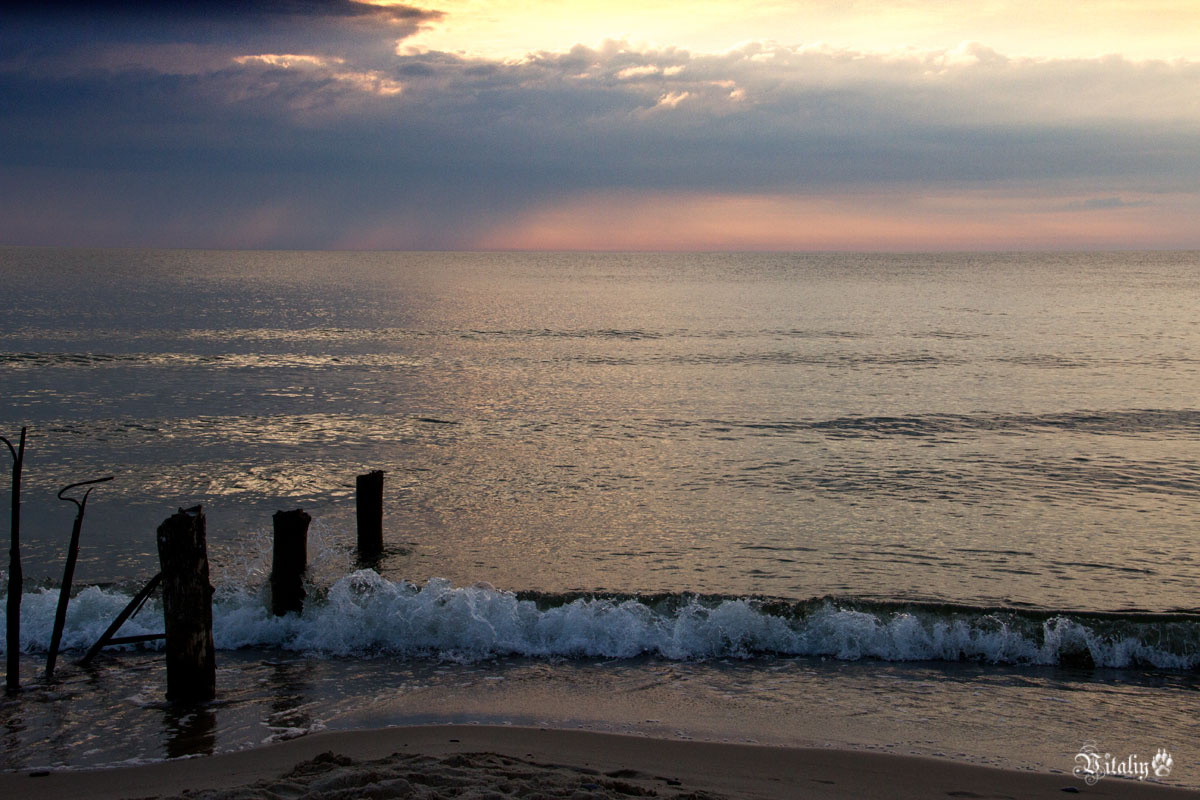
x=967, y=221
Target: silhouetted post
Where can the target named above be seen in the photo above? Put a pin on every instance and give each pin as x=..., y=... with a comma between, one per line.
x=64, y=591
x=368, y=495
x=15, y=579
x=289, y=560
x=187, y=607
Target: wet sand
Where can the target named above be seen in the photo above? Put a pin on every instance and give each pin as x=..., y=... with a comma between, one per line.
x=502, y=762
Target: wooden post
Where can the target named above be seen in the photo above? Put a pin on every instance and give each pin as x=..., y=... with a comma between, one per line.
x=289, y=560
x=64, y=591
x=368, y=495
x=15, y=579
x=187, y=607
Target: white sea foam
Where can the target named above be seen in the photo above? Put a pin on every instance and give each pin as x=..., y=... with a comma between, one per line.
x=88, y=615
x=366, y=614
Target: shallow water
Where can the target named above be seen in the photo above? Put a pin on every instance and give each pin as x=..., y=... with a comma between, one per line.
x=1022, y=718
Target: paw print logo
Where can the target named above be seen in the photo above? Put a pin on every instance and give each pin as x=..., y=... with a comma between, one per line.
x=1162, y=763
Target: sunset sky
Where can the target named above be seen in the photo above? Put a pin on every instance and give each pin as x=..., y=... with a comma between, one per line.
x=709, y=125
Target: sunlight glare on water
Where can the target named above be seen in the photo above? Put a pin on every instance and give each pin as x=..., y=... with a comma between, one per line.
x=1014, y=429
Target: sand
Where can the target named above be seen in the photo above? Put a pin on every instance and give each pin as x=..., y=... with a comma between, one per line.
x=502, y=762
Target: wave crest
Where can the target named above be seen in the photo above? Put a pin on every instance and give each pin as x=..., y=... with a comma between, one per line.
x=365, y=614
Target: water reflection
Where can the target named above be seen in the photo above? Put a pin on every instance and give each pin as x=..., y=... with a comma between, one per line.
x=189, y=731
x=610, y=406
x=291, y=686
x=12, y=725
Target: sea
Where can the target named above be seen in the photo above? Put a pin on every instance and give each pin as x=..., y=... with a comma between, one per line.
x=937, y=504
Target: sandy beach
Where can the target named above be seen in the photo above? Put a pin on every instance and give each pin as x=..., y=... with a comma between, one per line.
x=501, y=762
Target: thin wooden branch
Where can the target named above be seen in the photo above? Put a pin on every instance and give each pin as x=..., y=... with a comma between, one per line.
x=144, y=637
x=16, y=579
x=78, y=504
x=130, y=610
x=64, y=592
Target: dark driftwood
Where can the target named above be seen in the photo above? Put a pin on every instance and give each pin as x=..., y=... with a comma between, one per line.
x=131, y=610
x=187, y=607
x=15, y=579
x=289, y=560
x=368, y=494
x=64, y=592
x=141, y=637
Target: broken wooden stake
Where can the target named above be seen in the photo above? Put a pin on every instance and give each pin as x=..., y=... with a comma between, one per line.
x=368, y=495
x=15, y=579
x=289, y=561
x=131, y=610
x=64, y=592
x=187, y=607
x=139, y=639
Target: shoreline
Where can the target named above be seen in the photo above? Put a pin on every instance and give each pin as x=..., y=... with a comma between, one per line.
x=395, y=762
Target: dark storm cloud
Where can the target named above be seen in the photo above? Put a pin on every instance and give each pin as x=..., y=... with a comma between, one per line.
x=158, y=10
x=291, y=134
x=75, y=37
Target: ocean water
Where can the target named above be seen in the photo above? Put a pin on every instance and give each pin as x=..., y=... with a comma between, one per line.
x=944, y=504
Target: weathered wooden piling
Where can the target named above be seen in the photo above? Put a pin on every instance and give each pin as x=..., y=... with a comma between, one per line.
x=289, y=561
x=64, y=591
x=15, y=579
x=187, y=607
x=368, y=495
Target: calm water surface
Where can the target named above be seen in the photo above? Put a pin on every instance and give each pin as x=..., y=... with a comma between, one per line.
x=913, y=439
x=974, y=428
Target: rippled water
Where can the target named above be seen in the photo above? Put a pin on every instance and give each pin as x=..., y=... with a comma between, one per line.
x=1014, y=429
x=903, y=437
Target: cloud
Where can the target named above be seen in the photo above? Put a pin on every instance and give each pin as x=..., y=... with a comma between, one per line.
x=1104, y=203
x=208, y=10
x=170, y=136
x=1137, y=28
x=835, y=221
x=55, y=38
x=331, y=69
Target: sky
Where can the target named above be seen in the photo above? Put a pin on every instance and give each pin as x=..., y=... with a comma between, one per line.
x=653, y=125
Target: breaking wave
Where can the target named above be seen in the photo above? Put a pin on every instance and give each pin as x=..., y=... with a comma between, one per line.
x=364, y=614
